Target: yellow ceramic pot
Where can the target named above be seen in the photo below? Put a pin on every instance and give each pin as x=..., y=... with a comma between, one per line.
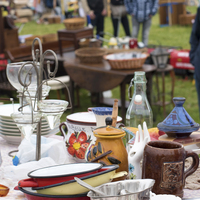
x=109, y=139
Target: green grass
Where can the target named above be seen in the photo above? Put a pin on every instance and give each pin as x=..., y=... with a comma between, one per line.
x=170, y=35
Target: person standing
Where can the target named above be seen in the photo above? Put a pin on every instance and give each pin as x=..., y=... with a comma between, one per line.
x=141, y=12
x=119, y=14
x=195, y=52
x=97, y=10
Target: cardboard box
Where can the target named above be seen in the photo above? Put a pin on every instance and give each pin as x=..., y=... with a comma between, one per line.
x=57, y=19
x=169, y=14
x=29, y=40
x=54, y=20
x=50, y=37
x=186, y=19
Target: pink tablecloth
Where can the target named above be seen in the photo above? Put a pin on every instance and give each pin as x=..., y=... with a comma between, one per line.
x=5, y=148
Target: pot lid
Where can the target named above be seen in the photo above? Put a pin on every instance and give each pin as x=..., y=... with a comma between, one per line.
x=85, y=117
x=178, y=120
x=108, y=131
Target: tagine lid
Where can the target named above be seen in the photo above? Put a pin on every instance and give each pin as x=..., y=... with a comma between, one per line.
x=178, y=121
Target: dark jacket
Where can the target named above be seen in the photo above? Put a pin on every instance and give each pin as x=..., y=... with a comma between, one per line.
x=117, y=2
x=96, y=5
x=195, y=42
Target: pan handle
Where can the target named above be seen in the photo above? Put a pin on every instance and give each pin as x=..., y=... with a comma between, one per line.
x=119, y=174
x=29, y=182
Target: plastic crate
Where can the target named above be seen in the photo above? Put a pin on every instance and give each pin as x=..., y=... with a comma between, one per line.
x=180, y=59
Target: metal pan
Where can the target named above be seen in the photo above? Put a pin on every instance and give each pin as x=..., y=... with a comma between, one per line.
x=72, y=187
x=59, y=173
x=33, y=195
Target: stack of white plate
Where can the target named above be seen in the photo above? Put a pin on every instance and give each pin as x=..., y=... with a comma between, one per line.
x=9, y=130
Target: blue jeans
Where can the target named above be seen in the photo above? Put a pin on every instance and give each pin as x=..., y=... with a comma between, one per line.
x=145, y=29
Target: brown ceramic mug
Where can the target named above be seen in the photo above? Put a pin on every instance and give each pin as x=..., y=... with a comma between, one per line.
x=164, y=162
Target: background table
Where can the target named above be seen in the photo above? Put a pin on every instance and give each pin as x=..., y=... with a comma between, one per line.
x=100, y=77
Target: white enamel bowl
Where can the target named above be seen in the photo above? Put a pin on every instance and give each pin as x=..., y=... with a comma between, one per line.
x=106, y=174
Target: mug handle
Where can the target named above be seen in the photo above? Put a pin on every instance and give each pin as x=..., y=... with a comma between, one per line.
x=195, y=162
x=62, y=130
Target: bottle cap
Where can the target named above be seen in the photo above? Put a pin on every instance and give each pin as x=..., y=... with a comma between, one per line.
x=138, y=99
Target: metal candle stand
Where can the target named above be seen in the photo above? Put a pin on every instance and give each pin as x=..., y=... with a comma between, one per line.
x=38, y=58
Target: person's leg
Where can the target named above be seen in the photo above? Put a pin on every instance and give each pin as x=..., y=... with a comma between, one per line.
x=136, y=27
x=94, y=22
x=197, y=84
x=145, y=31
x=115, y=23
x=100, y=24
x=125, y=23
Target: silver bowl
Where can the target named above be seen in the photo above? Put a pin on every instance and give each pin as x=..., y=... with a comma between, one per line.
x=137, y=189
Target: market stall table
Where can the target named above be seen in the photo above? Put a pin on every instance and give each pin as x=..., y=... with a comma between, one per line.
x=5, y=148
x=100, y=77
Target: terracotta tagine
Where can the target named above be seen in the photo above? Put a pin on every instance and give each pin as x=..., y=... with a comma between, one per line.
x=178, y=123
x=109, y=148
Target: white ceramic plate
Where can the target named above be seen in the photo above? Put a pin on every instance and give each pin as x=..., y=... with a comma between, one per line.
x=19, y=133
x=10, y=133
x=15, y=128
x=10, y=120
x=7, y=109
x=12, y=123
x=11, y=139
x=16, y=140
x=7, y=126
x=4, y=119
x=85, y=117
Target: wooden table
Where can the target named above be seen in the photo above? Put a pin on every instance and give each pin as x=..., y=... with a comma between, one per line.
x=168, y=69
x=100, y=77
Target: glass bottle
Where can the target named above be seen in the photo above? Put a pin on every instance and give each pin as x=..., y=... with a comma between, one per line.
x=139, y=109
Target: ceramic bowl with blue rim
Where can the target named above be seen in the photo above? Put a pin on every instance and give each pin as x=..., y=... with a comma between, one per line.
x=102, y=110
